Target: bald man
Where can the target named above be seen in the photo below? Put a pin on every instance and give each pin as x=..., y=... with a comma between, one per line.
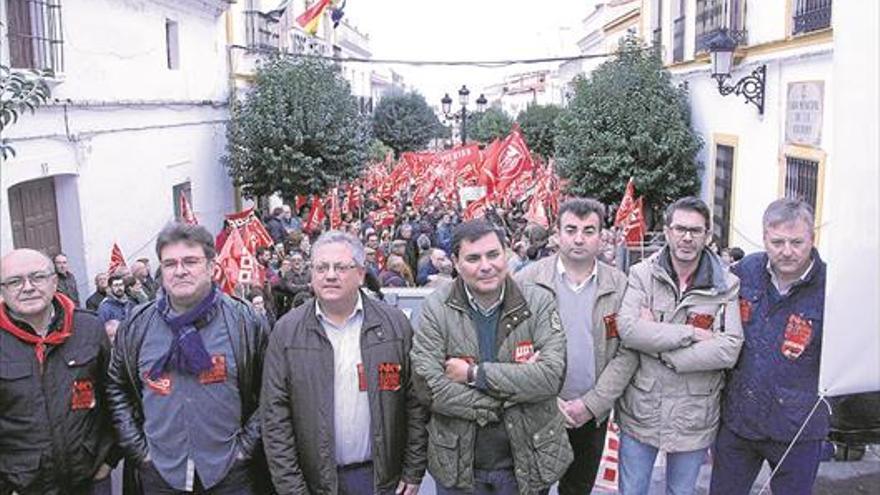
x=55, y=434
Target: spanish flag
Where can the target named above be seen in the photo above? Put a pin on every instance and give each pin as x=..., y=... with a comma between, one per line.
x=309, y=19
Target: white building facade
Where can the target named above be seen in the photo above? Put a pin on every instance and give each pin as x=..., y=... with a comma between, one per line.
x=753, y=156
x=139, y=114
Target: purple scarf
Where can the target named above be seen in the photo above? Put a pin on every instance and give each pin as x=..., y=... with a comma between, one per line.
x=187, y=351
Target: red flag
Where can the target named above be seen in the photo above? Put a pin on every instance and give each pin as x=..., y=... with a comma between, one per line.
x=514, y=159
x=235, y=264
x=316, y=215
x=537, y=213
x=298, y=203
x=186, y=214
x=383, y=217
x=475, y=209
x=335, y=213
x=626, y=204
x=308, y=20
x=634, y=227
x=250, y=228
x=116, y=259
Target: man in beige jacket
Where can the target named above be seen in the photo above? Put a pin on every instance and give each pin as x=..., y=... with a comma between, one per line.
x=681, y=313
x=588, y=295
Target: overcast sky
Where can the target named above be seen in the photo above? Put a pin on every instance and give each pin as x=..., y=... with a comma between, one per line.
x=466, y=30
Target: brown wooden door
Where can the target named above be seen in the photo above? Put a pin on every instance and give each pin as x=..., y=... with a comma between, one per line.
x=34, y=216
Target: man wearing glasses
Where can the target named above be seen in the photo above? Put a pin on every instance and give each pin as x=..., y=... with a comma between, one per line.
x=339, y=409
x=681, y=313
x=185, y=378
x=55, y=433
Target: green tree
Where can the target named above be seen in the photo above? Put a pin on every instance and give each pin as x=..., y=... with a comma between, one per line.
x=378, y=151
x=629, y=120
x=488, y=125
x=538, y=124
x=297, y=132
x=19, y=91
x=405, y=122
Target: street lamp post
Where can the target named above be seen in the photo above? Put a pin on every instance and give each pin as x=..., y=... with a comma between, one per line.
x=721, y=48
x=462, y=114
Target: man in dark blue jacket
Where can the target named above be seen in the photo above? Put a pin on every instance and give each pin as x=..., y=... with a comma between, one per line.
x=773, y=389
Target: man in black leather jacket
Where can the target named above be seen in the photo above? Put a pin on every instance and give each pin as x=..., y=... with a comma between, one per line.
x=185, y=377
x=55, y=434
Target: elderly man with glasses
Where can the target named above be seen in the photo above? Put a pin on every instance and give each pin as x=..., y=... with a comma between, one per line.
x=681, y=313
x=55, y=434
x=340, y=413
x=185, y=379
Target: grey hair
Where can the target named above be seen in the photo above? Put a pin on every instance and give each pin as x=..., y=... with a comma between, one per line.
x=786, y=210
x=339, y=237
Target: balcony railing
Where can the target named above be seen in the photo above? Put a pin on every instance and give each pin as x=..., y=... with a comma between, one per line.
x=678, y=40
x=714, y=15
x=811, y=15
x=261, y=31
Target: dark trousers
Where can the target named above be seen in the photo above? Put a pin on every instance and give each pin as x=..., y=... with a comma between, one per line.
x=738, y=461
x=101, y=487
x=358, y=479
x=499, y=482
x=588, y=443
x=237, y=482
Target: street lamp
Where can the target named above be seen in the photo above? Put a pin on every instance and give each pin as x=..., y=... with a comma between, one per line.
x=721, y=48
x=462, y=114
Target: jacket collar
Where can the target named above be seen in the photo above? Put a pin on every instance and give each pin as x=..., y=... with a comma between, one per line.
x=372, y=317
x=709, y=274
x=512, y=301
x=546, y=272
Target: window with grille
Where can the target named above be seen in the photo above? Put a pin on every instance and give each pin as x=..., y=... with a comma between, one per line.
x=714, y=15
x=801, y=179
x=811, y=15
x=723, y=190
x=34, y=33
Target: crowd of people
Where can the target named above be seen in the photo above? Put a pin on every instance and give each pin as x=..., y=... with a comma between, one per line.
x=304, y=381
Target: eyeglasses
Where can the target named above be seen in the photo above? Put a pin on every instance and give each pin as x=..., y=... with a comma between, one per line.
x=681, y=231
x=189, y=263
x=340, y=268
x=37, y=279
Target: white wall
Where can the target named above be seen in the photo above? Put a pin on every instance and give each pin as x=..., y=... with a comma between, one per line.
x=115, y=149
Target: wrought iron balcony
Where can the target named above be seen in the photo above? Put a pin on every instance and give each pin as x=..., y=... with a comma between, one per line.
x=261, y=31
x=714, y=15
x=811, y=15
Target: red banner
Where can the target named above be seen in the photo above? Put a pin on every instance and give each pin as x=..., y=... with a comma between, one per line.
x=250, y=228
x=186, y=213
x=116, y=259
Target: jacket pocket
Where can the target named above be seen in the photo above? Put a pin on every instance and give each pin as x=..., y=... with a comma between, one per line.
x=700, y=409
x=639, y=402
x=443, y=454
x=16, y=394
x=552, y=451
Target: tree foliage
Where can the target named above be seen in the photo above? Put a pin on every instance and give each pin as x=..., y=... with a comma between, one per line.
x=488, y=125
x=628, y=120
x=20, y=90
x=538, y=124
x=297, y=132
x=405, y=122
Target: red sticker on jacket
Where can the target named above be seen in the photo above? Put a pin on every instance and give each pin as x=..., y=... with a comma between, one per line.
x=798, y=333
x=83, y=395
x=701, y=320
x=389, y=377
x=523, y=352
x=362, y=378
x=162, y=386
x=745, y=310
x=611, y=326
x=217, y=373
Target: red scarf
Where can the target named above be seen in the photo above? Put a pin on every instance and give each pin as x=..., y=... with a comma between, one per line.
x=52, y=338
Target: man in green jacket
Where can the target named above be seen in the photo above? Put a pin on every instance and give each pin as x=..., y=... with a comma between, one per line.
x=588, y=295
x=493, y=357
